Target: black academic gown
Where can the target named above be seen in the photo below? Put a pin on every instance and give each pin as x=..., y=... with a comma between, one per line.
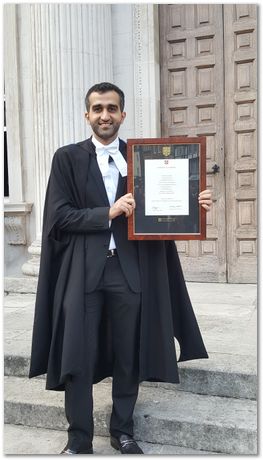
x=58, y=331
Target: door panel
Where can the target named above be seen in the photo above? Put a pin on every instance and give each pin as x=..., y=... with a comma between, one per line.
x=241, y=141
x=192, y=104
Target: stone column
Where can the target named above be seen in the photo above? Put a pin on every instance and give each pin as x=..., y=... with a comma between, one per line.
x=71, y=50
x=136, y=67
x=146, y=70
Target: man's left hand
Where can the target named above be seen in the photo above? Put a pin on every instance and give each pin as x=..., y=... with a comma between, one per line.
x=205, y=199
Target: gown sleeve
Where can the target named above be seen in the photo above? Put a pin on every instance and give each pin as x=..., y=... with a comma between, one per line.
x=61, y=212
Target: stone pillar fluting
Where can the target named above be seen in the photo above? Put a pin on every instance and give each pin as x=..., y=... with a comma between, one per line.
x=146, y=70
x=71, y=51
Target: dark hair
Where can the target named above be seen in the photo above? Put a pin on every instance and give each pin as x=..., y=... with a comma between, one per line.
x=104, y=87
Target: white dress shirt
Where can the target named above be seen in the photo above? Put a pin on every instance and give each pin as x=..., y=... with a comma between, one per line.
x=109, y=172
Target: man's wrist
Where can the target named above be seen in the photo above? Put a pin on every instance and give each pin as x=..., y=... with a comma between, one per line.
x=112, y=214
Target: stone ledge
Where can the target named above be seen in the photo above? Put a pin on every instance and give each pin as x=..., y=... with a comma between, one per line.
x=21, y=285
x=11, y=208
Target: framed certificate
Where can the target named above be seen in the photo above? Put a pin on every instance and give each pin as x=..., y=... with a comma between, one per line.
x=165, y=176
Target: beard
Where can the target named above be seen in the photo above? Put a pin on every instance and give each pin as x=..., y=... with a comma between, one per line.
x=105, y=133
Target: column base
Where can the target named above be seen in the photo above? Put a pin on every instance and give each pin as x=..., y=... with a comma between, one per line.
x=31, y=267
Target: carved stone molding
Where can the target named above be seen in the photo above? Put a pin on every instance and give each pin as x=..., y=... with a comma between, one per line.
x=15, y=228
x=15, y=222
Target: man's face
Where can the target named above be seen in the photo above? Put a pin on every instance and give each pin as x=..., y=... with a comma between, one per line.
x=105, y=116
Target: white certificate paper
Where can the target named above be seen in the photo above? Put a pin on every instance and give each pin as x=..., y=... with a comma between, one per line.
x=167, y=187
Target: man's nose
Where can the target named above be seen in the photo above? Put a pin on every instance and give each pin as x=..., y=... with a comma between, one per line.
x=105, y=115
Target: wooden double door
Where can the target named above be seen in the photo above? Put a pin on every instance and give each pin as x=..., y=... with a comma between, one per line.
x=208, y=87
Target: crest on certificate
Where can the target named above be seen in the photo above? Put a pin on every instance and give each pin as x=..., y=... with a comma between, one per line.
x=166, y=151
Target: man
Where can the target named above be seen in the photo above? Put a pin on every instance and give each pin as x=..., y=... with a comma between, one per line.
x=105, y=306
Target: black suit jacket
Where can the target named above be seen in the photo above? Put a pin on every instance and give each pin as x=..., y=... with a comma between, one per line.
x=97, y=240
x=93, y=221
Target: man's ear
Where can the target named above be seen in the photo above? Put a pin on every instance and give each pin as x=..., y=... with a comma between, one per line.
x=87, y=116
x=123, y=116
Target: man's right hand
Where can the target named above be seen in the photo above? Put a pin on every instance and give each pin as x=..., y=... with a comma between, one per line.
x=124, y=205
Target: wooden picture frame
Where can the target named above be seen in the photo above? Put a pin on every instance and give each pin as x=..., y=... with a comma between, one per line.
x=166, y=191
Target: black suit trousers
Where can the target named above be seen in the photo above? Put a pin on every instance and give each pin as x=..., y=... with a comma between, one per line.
x=113, y=293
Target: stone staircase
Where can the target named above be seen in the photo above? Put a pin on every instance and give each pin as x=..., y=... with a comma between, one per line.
x=213, y=410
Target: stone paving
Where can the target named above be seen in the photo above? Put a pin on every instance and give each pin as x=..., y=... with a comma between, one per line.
x=226, y=313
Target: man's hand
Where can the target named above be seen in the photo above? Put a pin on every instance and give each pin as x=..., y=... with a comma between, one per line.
x=124, y=205
x=205, y=199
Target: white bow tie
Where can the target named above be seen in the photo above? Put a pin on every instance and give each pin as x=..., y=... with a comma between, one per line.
x=103, y=159
x=107, y=150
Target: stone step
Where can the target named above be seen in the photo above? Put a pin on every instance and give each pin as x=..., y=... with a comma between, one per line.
x=199, y=422
x=25, y=440
x=220, y=375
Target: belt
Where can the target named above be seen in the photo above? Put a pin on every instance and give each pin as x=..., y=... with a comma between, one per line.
x=112, y=253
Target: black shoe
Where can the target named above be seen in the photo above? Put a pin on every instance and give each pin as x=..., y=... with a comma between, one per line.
x=125, y=444
x=74, y=452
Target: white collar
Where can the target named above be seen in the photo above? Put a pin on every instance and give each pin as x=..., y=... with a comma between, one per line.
x=103, y=152
x=99, y=145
